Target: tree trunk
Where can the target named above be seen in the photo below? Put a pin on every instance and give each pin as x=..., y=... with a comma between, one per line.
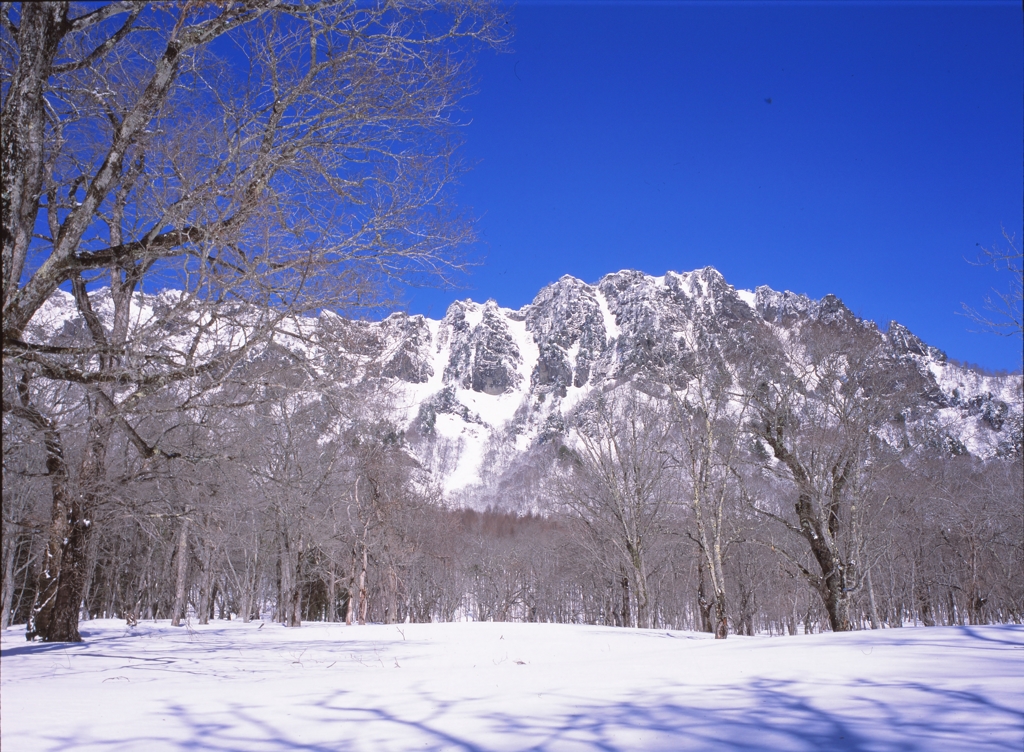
x=876, y=623
x=924, y=607
x=214, y=592
x=832, y=585
x=626, y=616
x=8, y=592
x=56, y=617
x=90, y=569
x=643, y=617
x=23, y=136
x=704, y=604
x=392, y=596
x=363, y=600
x=714, y=564
x=178, y=612
x=62, y=577
x=40, y=622
x=350, y=607
x=837, y=605
x=295, y=610
x=278, y=580
x=206, y=586
x=248, y=593
x=721, y=616
x=245, y=605
x=332, y=595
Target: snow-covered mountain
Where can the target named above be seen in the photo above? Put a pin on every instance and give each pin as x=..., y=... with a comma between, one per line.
x=486, y=384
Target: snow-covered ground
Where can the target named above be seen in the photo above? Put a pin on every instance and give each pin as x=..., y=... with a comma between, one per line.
x=493, y=686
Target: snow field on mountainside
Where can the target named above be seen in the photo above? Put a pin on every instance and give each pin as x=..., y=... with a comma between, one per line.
x=502, y=686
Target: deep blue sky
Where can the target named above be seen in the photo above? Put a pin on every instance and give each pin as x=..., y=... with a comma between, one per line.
x=623, y=135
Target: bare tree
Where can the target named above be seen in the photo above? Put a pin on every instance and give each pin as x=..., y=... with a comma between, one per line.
x=616, y=485
x=822, y=427
x=709, y=413
x=301, y=164
x=1003, y=311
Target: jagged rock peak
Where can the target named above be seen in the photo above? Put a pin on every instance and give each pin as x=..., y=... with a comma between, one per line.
x=903, y=342
x=787, y=307
x=406, y=348
x=567, y=323
x=484, y=354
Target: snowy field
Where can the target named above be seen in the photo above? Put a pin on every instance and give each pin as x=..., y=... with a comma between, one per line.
x=487, y=686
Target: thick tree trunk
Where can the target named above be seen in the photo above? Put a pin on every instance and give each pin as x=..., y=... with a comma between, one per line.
x=8, y=590
x=245, y=606
x=837, y=604
x=59, y=599
x=23, y=134
x=721, y=616
x=713, y=562
x=248, y=593
x=289, y=578
x=332, y=595
x=62, y=578
x=279, y=582
x=215, y=590
x=821, y=529
x=833, y=593
x=41, y=615
x=832, y=585
x=285, y=575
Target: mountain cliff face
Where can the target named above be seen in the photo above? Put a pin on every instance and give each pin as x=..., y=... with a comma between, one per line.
x=477, y=390
x=485, y=384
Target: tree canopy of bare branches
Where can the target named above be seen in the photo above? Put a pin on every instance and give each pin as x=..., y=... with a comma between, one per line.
x=822, y=424
x=1003, y=311
x=256, y=160
x=617, y=488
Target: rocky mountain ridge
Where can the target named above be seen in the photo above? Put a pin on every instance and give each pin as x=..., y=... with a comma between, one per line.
x=485, y=384
x=502, y=380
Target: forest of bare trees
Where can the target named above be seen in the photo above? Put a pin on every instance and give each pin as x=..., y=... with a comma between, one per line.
x=745, y=500
x=235, y=453
x=284, y=526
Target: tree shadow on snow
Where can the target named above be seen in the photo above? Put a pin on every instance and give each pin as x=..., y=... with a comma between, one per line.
x=763, y=715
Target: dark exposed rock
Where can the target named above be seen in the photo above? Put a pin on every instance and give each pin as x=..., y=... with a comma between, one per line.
x=903, y=342
x=783, y=307
x=444, y=402
x=564, y=315
x=670, y=325
x=485, y=357
x=407, y=353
